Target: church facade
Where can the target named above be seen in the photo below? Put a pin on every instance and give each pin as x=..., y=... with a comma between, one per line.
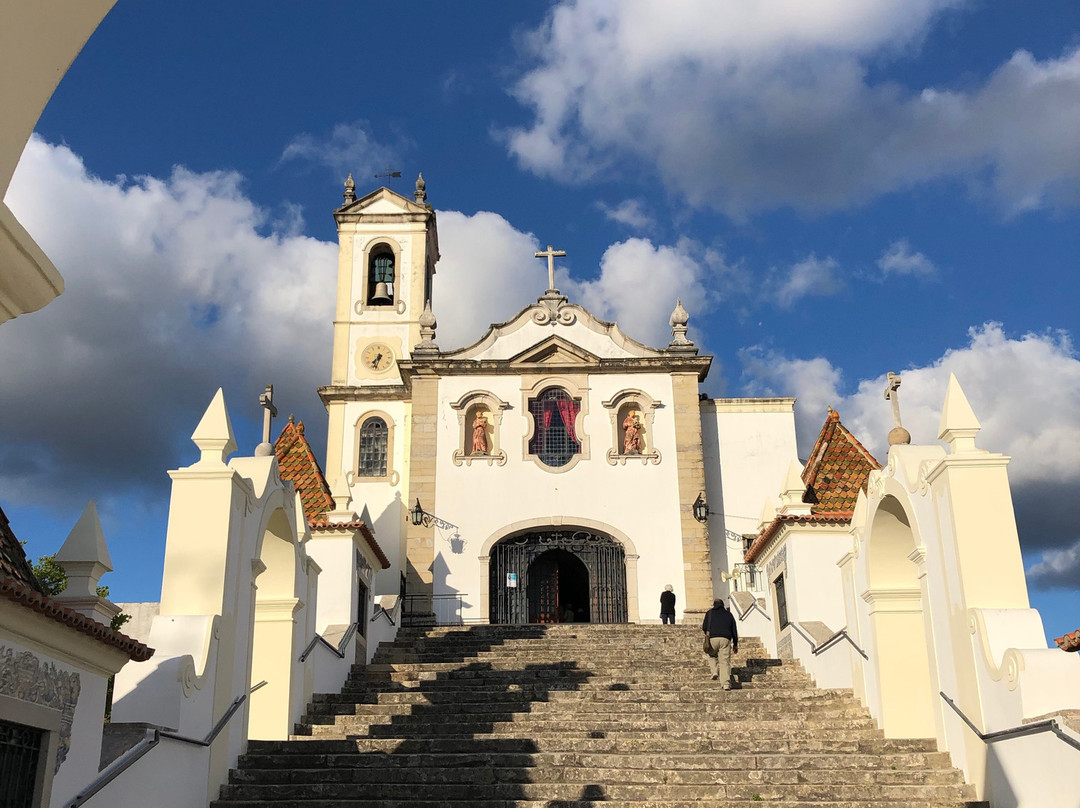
x=547, y=472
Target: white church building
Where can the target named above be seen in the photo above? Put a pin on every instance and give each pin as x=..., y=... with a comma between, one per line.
x=548, y=471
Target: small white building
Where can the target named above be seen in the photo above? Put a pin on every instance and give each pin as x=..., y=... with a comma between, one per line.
x=548, y=471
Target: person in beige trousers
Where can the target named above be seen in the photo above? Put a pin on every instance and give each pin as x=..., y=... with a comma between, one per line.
x=719, y=626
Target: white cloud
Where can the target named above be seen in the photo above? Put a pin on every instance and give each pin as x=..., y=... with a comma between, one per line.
x=899, y=259
x=811, y=277
x=630, y=212
x=1058, y=568
x=639, y=283
x=747, y=107
x=350, y=147
x=1025, y=391
x=173, y=287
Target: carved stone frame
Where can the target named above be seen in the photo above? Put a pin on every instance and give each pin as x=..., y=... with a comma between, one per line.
x=577, y=388
x=366, y=249
x=647, y=405
x=391, y=476
x=469, y=403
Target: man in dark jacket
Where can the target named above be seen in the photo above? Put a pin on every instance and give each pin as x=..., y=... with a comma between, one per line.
x=667, y=605
x=719, y=626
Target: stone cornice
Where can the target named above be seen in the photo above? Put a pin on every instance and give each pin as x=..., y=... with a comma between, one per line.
x=351, y=392
x=667, y=363
x=966, y=460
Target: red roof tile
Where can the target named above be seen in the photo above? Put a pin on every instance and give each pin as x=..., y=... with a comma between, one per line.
x=838, y=468
x=1070, y=642
x=32, y=599
x=13, y=563
x=297, y=463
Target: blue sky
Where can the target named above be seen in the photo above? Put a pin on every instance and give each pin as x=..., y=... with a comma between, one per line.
x=835, y=190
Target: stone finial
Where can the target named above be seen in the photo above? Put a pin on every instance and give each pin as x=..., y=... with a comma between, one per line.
x=214, y=434
x=350, y=190
x=897, y=435
x=339, y=490
x=84, y=555
x=427, y=331
x=420, y=194
x=791, y=497
x=768, y=512
x=678, y=320
x=959, y=426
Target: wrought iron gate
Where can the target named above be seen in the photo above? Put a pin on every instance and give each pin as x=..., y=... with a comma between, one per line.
x=20, y=748
x=603, y=557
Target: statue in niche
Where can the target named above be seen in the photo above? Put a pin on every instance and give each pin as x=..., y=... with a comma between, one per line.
x=479, y=434
x=632, y=440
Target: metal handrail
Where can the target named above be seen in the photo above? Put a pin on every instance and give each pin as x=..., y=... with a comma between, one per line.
x=136, y=753
x=753, y=605
x=1049, y=725
x=381, y=612
x=842, y=634
x=339, y=650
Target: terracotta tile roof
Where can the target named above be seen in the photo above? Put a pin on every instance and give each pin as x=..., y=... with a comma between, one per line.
x=297, y=463
x=1070, y=642
x=365, y=531
x=838, y=468
x=31, y=599
x=13, y=563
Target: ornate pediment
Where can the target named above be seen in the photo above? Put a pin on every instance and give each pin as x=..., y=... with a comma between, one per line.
x=382, y=201
x=555, y=352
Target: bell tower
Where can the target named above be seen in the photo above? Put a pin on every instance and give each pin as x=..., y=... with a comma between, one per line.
x=387, y=250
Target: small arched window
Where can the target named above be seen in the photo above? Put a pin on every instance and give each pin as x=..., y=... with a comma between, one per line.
x=374, y=439
x=381, y=281
x=554, y=440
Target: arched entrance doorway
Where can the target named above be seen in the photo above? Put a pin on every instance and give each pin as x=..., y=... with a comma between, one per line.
x=558, y=588
x=557, y=575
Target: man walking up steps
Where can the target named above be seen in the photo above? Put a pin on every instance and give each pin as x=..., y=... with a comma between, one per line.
x=719, y=626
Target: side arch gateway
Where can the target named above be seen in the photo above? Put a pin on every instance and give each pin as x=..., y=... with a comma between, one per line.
x=557, y=574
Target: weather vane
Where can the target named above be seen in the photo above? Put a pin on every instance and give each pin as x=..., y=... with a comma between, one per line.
x=388, y=174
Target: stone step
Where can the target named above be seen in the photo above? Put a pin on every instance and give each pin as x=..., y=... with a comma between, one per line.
x=609, y=791
x=717, y=709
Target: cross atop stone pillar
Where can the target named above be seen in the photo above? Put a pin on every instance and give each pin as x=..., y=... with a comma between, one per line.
x=897, y=435
x=551, y=254
x=266, y=448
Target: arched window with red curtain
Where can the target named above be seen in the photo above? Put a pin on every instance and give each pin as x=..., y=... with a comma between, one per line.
x=554, y=440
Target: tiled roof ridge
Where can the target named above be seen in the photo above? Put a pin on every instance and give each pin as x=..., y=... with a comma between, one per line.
x=365, y=531
x=13, y=561
x=308, y=479
x=829, y=430
x=34, y=600
x=1069, y=642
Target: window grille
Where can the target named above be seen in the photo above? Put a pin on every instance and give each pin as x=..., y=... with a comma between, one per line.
x=554, y=440
x=373, y=442
x=781, y=602
x=20, y=752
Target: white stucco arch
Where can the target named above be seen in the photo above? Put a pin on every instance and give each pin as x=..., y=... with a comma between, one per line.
x=525, y=525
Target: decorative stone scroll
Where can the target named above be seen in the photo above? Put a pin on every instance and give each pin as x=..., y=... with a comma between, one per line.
x=23, y=676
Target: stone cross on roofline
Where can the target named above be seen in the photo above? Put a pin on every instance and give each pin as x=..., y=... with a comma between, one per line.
x=266, y=399
x=550, y=254
x=897, y=435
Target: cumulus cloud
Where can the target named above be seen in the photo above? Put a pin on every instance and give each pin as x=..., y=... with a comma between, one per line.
x=639, y=283
x=900, y=259
x=748, y=107
x=1057, y=569
x=173, y=286
x=1025, y=391
x=811, y=277
x=631, y=213
x=350, y=147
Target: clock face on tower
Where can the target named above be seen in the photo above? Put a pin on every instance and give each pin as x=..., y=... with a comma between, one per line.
x=377, y=357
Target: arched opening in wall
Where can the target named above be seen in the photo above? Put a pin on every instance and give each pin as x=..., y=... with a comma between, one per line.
x=558, y=588
x=555, y=575
x=381, y=277
x=274, y=643
x=479, y=431
x=898, y=625
x=632, y=436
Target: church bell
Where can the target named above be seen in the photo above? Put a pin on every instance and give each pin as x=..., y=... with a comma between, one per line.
x=382, y=294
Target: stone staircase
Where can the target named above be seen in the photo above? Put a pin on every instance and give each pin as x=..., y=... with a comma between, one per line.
x=577, y=715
